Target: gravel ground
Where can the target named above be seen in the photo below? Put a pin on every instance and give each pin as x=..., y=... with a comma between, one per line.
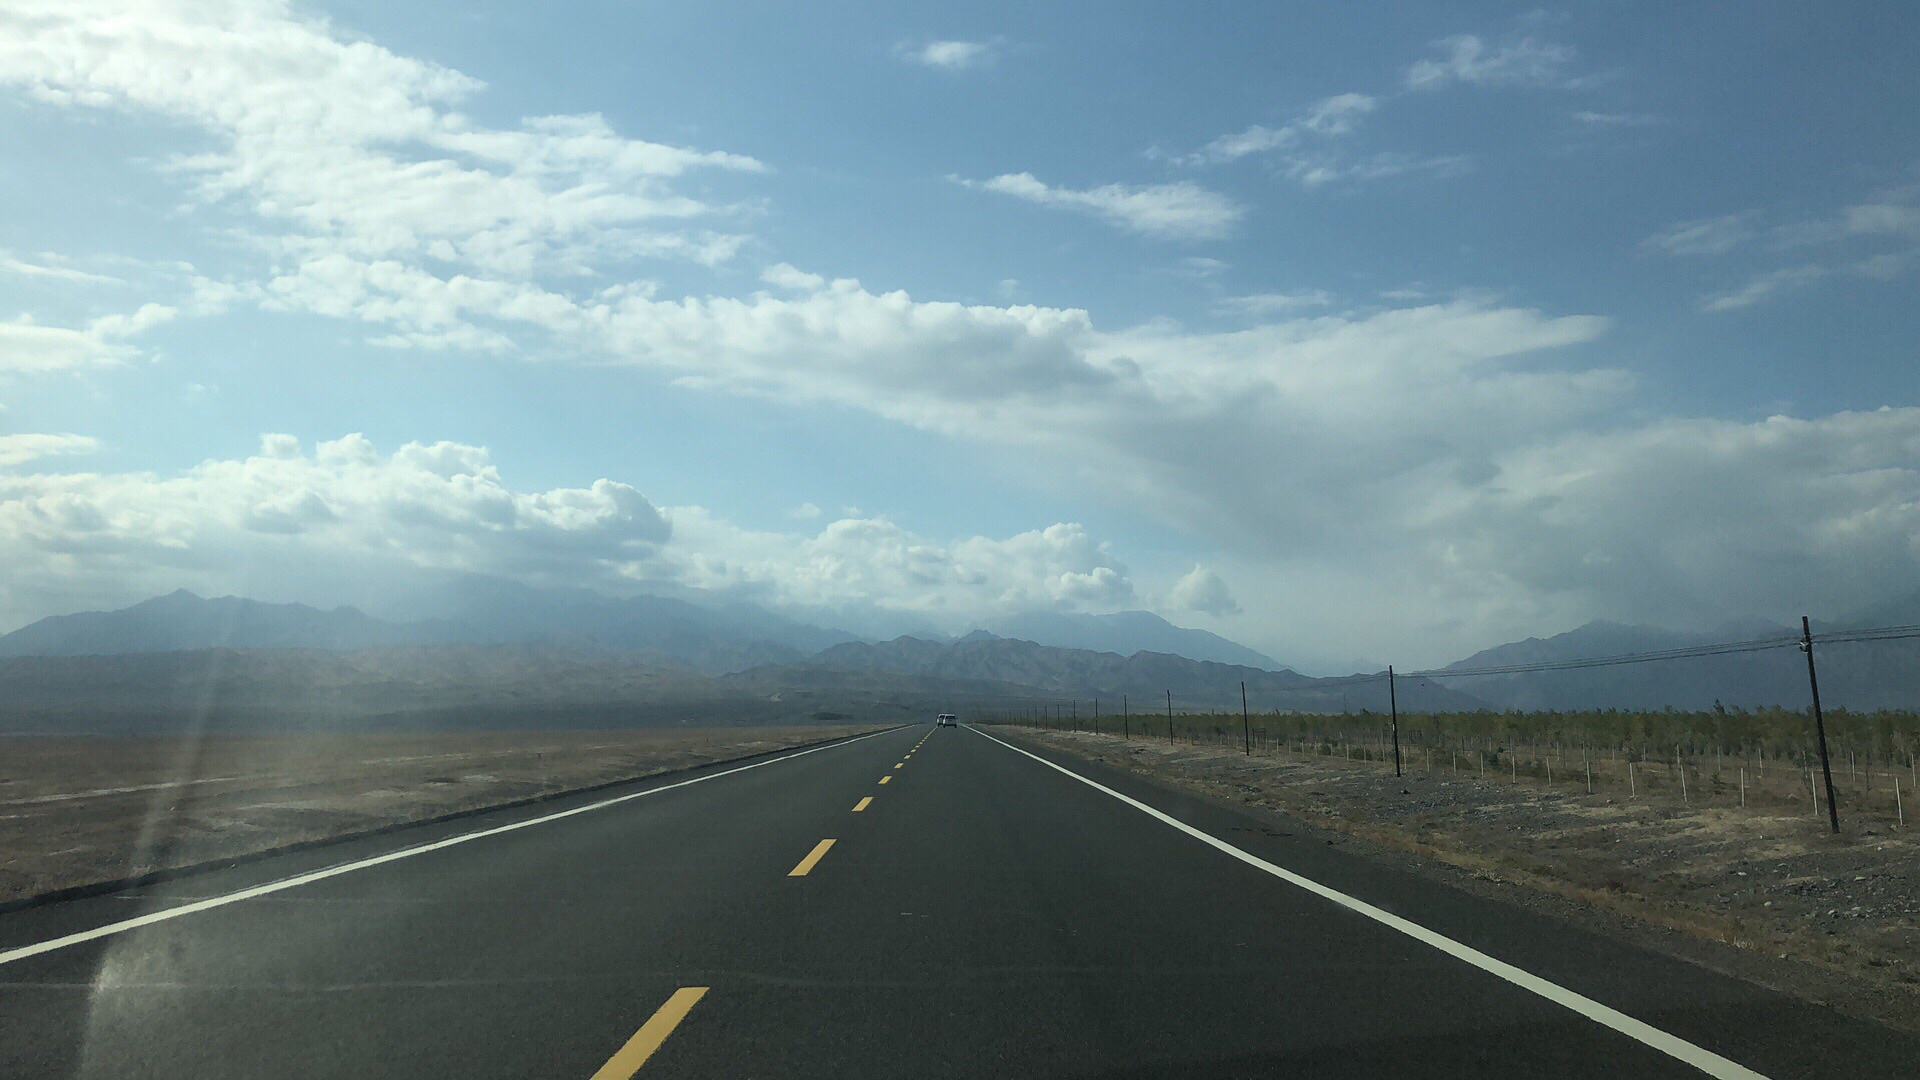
x=74, y=811
x=1775, y=896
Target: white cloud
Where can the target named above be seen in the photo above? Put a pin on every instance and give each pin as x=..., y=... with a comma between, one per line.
x=1181, y=210
x=1307, y=152
x=1707, y=236
x=1467, y=59
x=1685, y=520
x=343, y=512
x=354, y=148
x=1766, y=286
x=342, y=518
x=51, y=269
x=782, y=276
x=1202, y=267
x=1316, y=170
x=20, y=449
x=27, y=346
x=1336, y=115
x=1463, y=464
x=1615, y=120
x=872, y=564
x=1892, y=215
x=948, y=55
x=1888, y=218
x=1777, y=283
x=1885, y=218
x=1264, y=304
x=1203, y=591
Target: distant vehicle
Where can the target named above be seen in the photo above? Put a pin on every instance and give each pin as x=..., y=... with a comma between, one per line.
x=946, y=719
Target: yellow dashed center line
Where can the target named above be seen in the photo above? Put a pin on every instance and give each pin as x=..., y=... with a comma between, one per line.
x=885, y=779
x=814, y=856
x=862, y=804
x=902, y=765
x=630, y=1057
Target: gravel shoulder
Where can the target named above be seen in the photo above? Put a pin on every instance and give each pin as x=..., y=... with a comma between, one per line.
x=1762, y=894
x=75, y=811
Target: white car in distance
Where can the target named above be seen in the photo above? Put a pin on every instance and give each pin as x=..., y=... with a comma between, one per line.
x=946, y=719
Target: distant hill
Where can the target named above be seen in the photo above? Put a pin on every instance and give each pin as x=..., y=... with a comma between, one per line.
x=1126, y=633
x=181, y=620
x=709, y=637
x=468, y=610
x=1901, y=610
x=1053, y=673
x=1858, y=676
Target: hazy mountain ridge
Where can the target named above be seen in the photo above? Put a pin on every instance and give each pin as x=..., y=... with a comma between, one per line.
x=663, y=630
x=1861, y=676
x=1051, y=672
x=1126, y=632
x=711, y=638
x=182, y=620
x=472, y=630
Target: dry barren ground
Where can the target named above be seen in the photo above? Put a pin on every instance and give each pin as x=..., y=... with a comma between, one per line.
x=1834, y=918
x=78, y=810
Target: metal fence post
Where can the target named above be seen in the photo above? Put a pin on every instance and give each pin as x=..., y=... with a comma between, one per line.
x=1169, y=717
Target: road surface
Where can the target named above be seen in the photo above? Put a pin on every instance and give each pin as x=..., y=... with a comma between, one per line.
x=918, y=903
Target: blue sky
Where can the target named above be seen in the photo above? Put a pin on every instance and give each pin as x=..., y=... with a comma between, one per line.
x=1362, y=330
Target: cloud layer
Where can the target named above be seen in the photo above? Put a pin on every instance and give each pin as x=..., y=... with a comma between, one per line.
x=1181, y=210
x=342, y=519
x=1400, y=474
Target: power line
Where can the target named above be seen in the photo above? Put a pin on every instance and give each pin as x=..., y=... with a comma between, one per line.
x=1881, y=633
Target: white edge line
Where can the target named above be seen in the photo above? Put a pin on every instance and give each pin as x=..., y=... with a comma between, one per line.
x=1672, y=1045
x=24, y=951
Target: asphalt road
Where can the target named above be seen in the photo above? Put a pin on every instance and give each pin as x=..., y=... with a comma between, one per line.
x=981, y=914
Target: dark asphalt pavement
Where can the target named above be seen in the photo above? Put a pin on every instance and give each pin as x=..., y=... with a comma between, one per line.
x=984, y=915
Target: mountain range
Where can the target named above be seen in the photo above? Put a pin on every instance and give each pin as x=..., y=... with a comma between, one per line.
x=1853, y=675
x=1126, y=633
x=709, y=638
x=470, y=611
x=593, y=646
x=1045, y=675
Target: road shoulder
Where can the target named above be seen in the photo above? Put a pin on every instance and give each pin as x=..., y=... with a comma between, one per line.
x=1624, y=918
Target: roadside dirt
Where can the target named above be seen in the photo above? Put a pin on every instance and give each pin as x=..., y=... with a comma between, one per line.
x=1769, y=896
x=74, y=811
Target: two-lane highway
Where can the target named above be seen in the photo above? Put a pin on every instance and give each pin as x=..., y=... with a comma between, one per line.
x=921, y=902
